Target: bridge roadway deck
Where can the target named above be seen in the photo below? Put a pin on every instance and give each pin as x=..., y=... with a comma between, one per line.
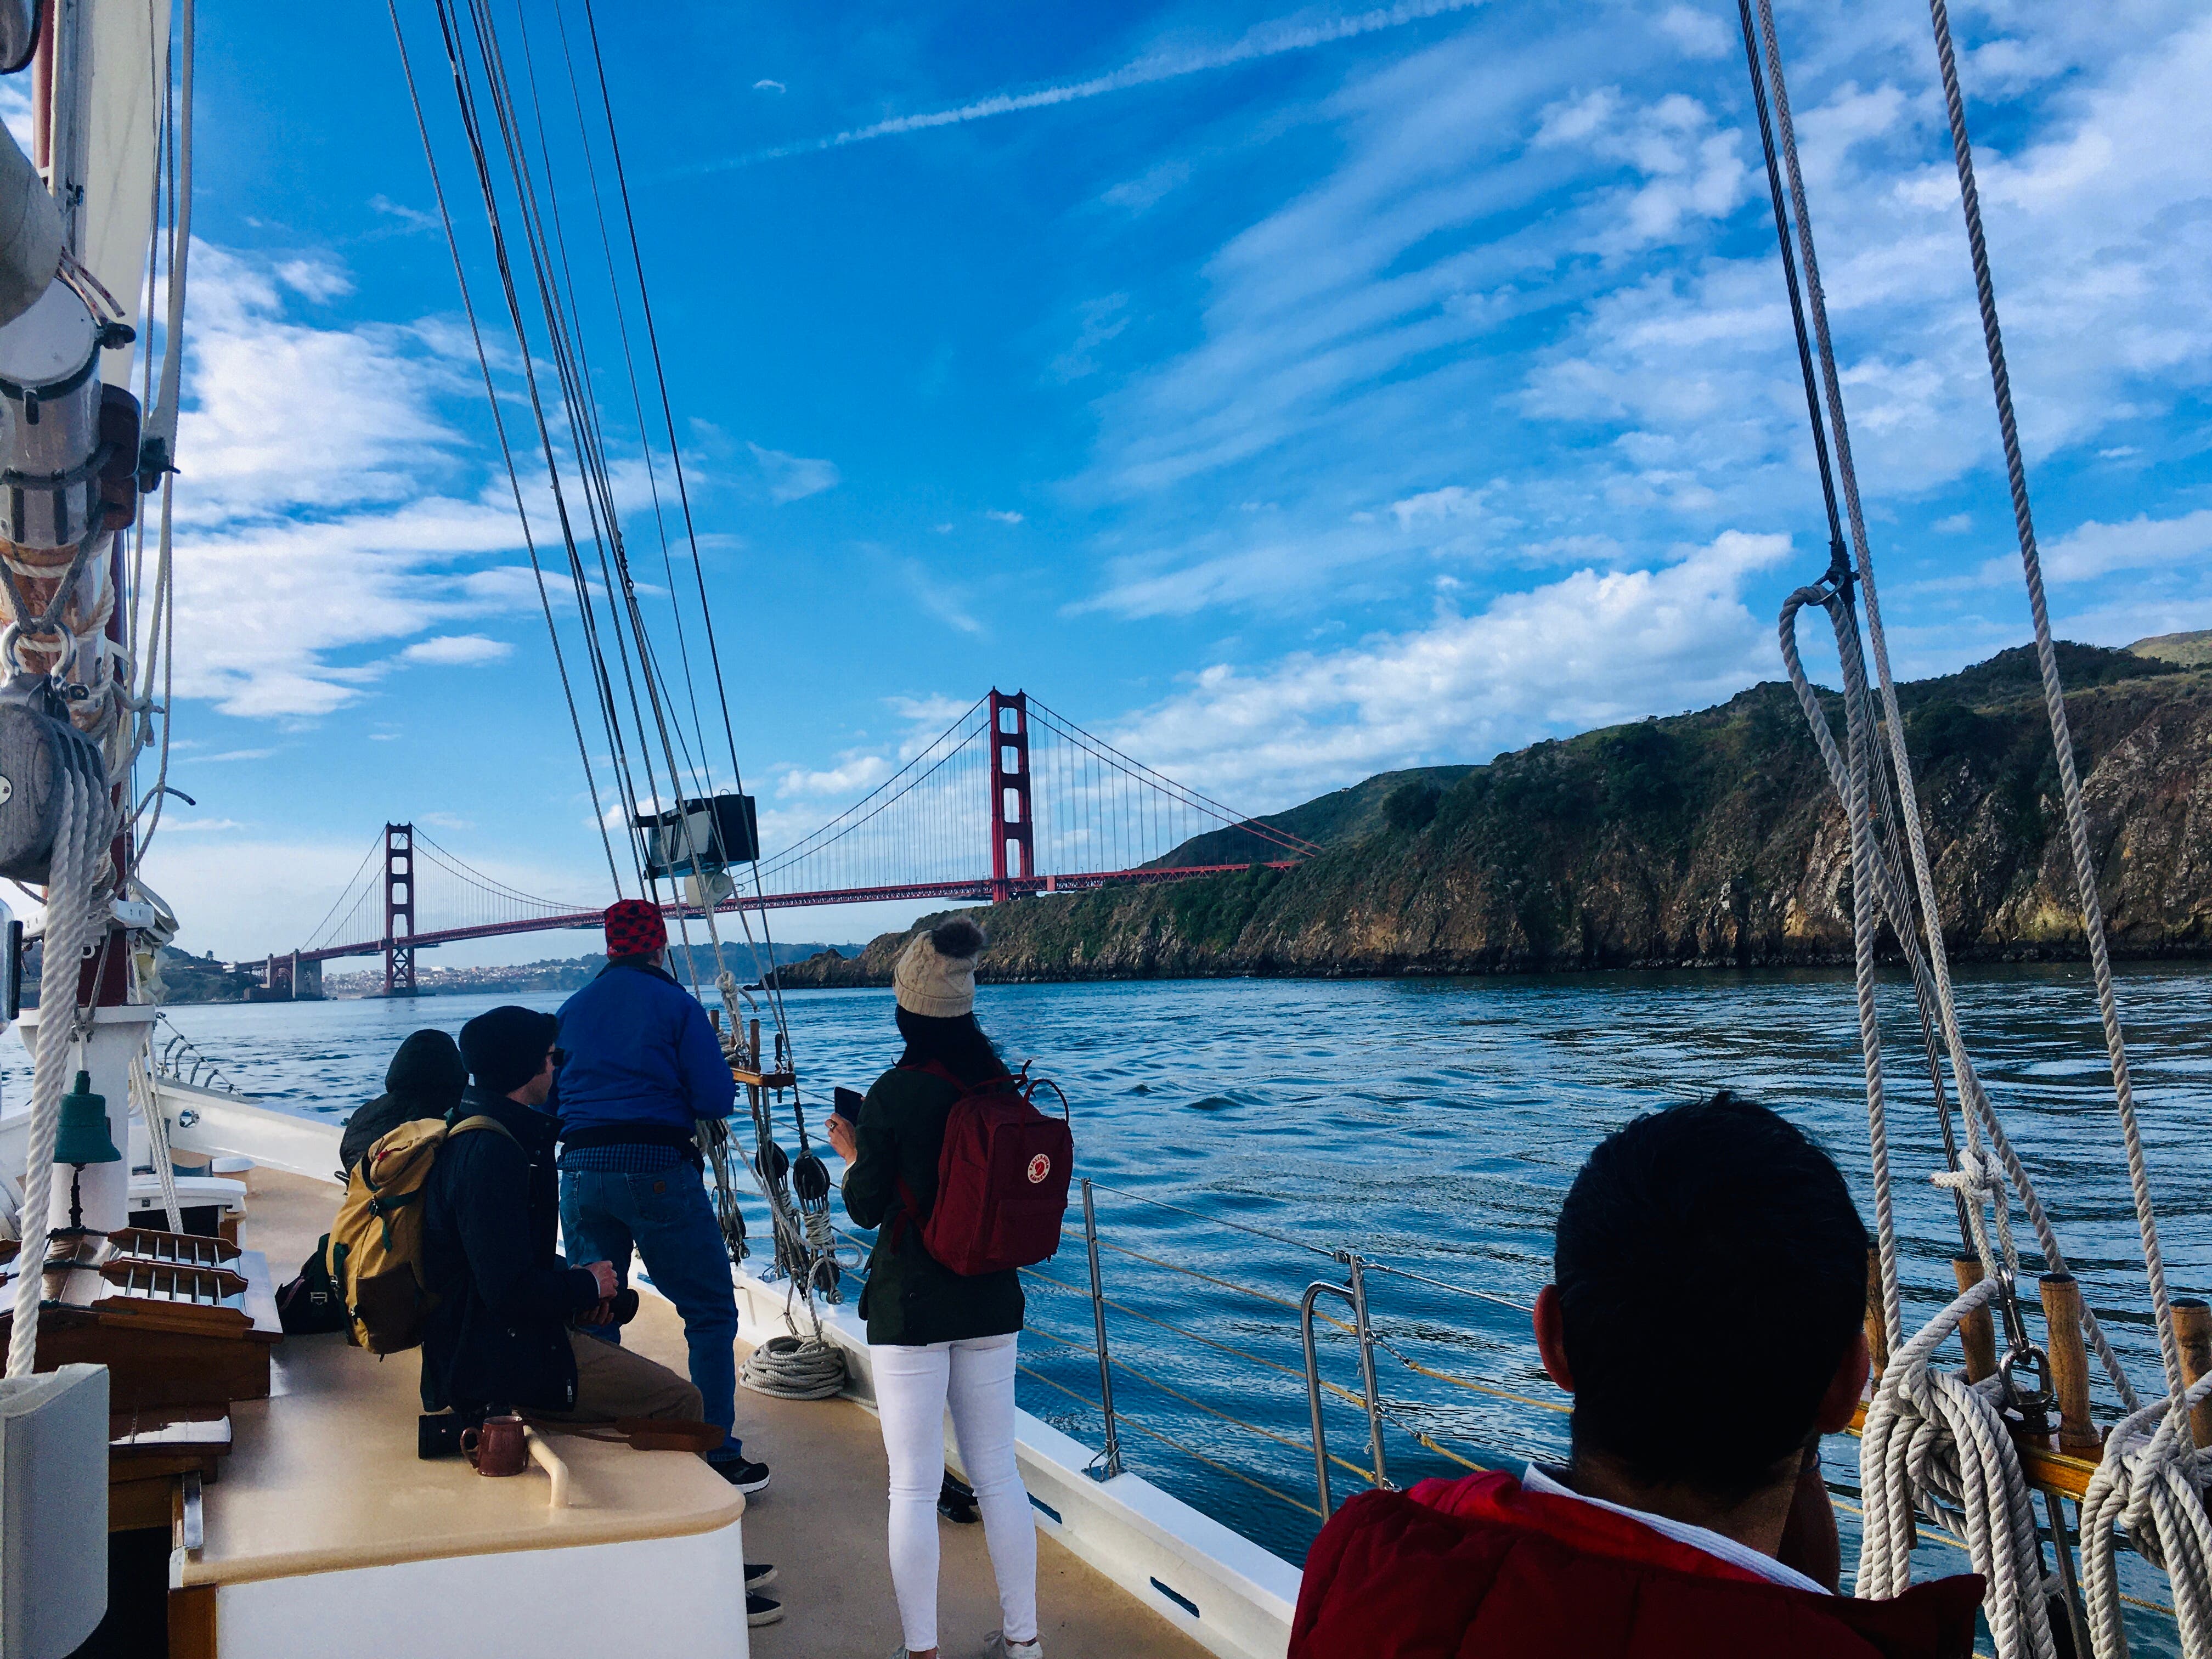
x=979, y=891
x=821, y=1521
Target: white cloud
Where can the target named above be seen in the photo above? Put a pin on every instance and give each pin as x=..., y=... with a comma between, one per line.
x=319, y=280
x=793, y=477
x=1002, y=517
x=1592, y=647
x=1696, y=34
x=176, y=826
x=1433, y=506
x=310, y=523
x=457, y=651
x=409, y=218
x=2098, y=550
x=855, y=773
x=768, y=86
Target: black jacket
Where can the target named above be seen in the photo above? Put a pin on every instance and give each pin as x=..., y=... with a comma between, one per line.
x=913, y=1299
x=496, y=1336
x=424, y=1080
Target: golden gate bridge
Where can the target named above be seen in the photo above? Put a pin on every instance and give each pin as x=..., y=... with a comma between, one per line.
x=1010, y=799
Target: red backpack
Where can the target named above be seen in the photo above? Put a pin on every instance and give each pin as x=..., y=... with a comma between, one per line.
x=1001, y=1178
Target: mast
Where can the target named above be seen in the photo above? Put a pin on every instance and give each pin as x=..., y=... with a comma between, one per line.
x=72, y=449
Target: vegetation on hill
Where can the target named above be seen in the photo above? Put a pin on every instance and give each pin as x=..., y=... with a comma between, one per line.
x=1706, y=838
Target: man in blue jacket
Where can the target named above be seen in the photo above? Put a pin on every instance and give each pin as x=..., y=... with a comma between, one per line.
x=642, y=1065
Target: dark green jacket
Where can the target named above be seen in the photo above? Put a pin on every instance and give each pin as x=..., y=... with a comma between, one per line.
x=912, y=1298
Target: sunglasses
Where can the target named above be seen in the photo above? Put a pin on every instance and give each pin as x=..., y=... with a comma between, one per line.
x=558, y=1056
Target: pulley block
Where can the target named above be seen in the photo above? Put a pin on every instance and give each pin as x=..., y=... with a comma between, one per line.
x=38, y=748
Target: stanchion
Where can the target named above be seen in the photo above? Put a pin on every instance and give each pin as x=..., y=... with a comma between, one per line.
x=1110, y=1458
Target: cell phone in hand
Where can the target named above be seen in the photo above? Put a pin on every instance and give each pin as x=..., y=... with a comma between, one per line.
x=846, y=1103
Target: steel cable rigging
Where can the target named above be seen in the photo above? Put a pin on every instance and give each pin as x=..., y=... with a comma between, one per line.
x=650, y=754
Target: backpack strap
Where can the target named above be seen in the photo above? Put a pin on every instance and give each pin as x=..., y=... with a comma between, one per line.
x=482, y=1121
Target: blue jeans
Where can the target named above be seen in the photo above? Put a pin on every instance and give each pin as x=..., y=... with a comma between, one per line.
x=667, y=1217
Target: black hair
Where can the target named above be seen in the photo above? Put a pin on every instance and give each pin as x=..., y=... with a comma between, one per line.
x=956, y=1042
x=1711, y=1272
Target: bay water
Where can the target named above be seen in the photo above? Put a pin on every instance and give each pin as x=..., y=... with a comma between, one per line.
x=1432, y=1125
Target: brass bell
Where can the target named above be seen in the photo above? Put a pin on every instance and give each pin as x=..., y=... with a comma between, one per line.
x=82, y=1137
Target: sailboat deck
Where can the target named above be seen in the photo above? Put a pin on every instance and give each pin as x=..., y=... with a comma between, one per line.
x=821, y=1523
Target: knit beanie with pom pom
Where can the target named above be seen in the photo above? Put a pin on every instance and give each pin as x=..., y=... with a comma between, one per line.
x=936, y=973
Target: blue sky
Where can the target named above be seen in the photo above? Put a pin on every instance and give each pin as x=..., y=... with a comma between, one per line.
x=1287, y=394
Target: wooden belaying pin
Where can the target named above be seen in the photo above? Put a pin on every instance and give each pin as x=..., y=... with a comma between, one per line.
x=1877, y=1328
x=2069, y=1363
x=2193, y=1325
x=1977, y=1331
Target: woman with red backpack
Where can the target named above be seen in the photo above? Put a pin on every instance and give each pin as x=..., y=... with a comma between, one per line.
x=938, y=1338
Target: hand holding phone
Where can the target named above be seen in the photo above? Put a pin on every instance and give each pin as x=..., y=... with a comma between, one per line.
x=846, y=1103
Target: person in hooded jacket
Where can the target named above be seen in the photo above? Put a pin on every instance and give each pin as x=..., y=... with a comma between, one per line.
x=936, y=1338
x=425, y=1080
x=1709, y=1287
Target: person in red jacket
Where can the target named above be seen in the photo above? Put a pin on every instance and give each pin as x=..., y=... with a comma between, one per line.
x=1709, y=1283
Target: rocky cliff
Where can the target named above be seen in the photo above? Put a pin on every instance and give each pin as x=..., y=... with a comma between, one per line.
x=1707, y=839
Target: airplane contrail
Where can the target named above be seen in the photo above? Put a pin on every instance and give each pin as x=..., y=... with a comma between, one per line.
x=1270, y=39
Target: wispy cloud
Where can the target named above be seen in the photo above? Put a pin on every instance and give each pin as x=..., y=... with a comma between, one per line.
x=1268, y=39
x=793, y=477
x=457, y=651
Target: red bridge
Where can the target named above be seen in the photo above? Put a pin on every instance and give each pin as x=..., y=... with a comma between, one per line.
x=1010, y=800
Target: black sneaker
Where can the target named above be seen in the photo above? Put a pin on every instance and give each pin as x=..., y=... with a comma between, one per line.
x=956, y=1501
x=743, y=1473
x=758, y=1577
x=759, y=1610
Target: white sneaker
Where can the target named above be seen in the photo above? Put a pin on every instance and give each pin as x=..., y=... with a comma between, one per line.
x=995, y=1646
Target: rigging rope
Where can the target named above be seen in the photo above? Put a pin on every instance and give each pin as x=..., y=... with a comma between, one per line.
x=2158, y=1486
x=2054, y=697
x=1954, y=1449
x=801, y=1225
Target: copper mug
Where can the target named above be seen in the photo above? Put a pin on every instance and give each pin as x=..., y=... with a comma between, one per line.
x=497, y=1447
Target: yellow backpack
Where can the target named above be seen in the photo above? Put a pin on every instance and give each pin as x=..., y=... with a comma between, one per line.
x=376, y=1243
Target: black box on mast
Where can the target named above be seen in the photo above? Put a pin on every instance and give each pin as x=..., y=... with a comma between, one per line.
x=705, y=836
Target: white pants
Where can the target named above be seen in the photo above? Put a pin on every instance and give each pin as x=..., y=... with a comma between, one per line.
x=914, y=1388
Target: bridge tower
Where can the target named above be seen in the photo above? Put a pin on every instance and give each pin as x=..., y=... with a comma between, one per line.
x=1010, y=823
x=398, y=909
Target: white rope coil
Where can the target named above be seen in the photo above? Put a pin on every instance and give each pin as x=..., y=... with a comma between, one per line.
x=2151, y=1481
x=1933, y=1439
x=795, y=1368
x=79, y=844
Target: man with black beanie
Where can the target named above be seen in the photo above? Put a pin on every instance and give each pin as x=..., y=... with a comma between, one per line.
x=499, y=1335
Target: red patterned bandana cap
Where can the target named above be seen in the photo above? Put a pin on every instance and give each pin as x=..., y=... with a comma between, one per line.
x=634, y=928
